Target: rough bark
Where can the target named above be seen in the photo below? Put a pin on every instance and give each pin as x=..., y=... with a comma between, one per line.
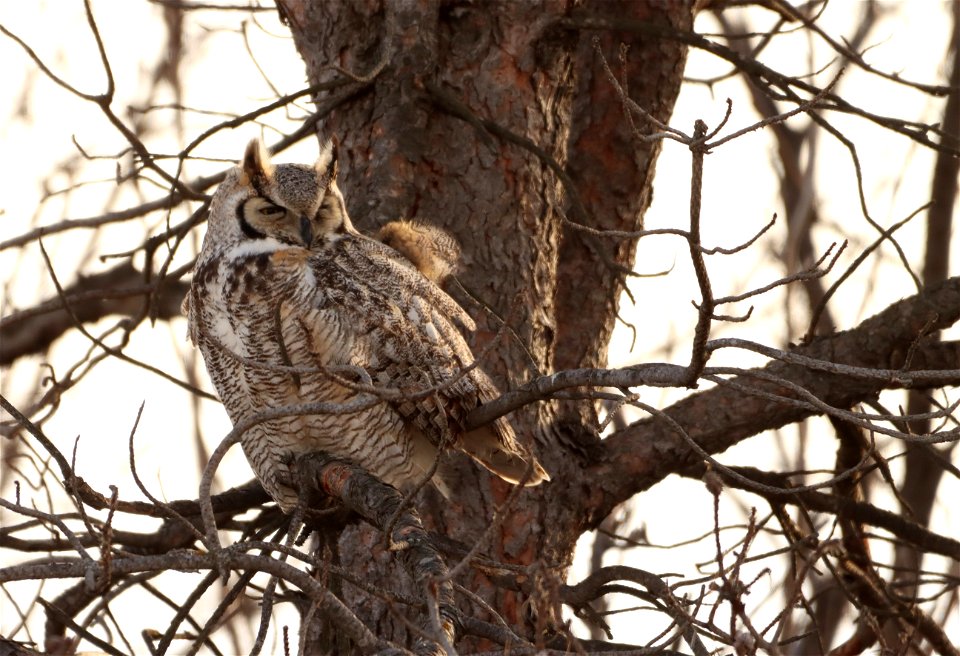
x=402, y=156
x=613, y=175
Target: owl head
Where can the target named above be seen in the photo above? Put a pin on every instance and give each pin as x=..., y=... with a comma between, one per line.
x=275, y=205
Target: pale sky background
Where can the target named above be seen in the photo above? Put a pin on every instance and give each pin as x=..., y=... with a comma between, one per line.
x=38, y=121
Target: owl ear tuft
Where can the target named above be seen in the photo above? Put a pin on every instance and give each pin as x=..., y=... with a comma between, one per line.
x=256, y=161
x=327, y=165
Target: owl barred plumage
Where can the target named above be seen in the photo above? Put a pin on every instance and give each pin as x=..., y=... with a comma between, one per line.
x=283, y=279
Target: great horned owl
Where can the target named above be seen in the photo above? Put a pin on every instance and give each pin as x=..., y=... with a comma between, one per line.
x=284, y=280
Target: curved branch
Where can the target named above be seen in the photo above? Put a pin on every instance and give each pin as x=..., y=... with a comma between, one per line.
x=592, y=587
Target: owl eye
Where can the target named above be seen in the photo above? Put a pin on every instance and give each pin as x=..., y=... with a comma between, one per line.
x=272, y=211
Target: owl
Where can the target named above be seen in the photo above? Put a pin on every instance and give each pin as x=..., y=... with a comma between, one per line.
x=289, y=304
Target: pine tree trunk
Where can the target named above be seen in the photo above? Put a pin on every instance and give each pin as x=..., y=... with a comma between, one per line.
x=403, y=154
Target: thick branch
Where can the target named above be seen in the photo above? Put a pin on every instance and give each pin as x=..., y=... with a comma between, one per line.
x=641, y=455
x=121, y=290
x=385, y=508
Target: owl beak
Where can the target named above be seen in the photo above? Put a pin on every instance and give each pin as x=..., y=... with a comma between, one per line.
x=306, y=231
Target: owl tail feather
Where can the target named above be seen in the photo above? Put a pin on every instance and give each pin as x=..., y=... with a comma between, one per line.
x=510, y=465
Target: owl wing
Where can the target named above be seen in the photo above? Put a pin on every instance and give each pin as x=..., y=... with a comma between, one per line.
x=403, y=333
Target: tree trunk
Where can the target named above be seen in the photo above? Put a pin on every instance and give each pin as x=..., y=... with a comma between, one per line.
x=404, y=154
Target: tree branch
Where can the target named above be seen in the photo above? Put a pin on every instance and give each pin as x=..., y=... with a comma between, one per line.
x=634, y=459
x=385, y=508
x=120, y=290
